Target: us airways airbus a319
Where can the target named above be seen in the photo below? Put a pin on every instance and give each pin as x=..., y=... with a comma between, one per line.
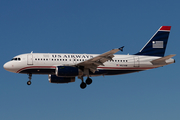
x=64, y=68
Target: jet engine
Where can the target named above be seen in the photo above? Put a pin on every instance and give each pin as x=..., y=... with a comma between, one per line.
x=66, y=71
x=55, y=79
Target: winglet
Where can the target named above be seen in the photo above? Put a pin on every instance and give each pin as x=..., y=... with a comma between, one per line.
x=121, y=48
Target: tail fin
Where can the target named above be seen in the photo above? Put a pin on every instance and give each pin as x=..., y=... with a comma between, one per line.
x=156, y=46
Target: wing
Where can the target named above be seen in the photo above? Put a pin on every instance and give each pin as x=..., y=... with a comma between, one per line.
x=93, y=63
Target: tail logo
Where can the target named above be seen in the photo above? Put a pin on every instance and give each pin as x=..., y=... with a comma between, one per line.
x=157, y=44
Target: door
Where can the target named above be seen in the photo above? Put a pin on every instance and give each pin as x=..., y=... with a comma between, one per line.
x=30, y=59
x=136, y=61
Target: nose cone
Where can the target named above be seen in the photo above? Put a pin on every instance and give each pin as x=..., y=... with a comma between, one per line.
x=9, y=67
x=6, y=66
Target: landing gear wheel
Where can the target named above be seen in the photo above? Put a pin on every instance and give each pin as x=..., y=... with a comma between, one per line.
x=28, y=82
x=30, y=77
x=88, y=81
x=83, y=85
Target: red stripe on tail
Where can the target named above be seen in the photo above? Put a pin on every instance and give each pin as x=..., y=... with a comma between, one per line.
x=167, y=28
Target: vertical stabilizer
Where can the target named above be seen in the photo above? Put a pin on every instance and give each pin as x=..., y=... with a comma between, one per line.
x=156, y=46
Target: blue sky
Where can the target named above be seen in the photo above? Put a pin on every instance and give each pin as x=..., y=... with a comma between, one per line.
x=83, y=26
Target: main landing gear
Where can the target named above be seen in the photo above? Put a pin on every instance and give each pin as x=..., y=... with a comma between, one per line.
x=30, y=77
x=83, y=84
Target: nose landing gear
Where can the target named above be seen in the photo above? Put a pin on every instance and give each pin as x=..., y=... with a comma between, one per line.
x=30, y=77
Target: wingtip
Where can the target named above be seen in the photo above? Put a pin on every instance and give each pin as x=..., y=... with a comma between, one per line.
x=121, y=48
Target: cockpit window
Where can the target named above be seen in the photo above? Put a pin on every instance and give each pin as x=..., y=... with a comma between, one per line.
x=16, y=59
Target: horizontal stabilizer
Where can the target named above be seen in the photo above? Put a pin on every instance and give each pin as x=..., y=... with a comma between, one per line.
x=162, y=61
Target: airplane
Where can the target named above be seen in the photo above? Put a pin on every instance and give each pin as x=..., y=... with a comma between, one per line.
x=64, y=68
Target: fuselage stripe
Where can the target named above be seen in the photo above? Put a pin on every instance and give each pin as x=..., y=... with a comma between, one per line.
x=130, y=68
x=37, y=67
x=105, y=68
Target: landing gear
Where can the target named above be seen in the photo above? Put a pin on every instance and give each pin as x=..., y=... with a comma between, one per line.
x=28, y=82
x=88, y=81
x=83, y=84
x=30, y=77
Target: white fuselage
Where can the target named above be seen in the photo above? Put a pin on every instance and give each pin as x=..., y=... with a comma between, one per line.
x=45, y=63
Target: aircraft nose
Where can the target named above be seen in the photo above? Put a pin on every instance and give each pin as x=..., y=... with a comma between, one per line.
x=6, y=66
x=9, y=67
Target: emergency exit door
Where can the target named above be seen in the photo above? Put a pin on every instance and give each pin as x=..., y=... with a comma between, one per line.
x=136, y=61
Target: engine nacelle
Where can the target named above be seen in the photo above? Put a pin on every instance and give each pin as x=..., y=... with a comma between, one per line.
x=66, y=71
x=55, y=79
